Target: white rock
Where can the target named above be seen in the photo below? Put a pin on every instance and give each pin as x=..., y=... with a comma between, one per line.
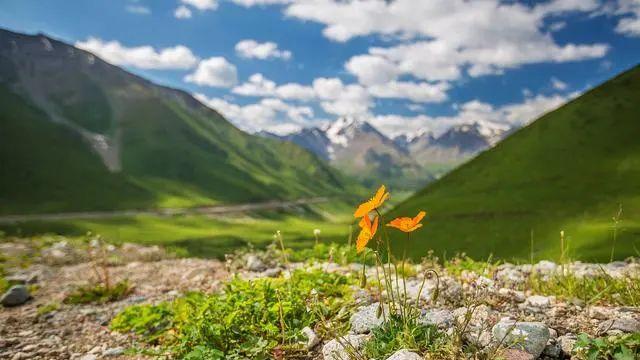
x=531, y=337
x=404, y=354
x=117, y=351
x=443, y=319
x=567, y=342
x=333, y=350
x=366, y=318
x=255, y=264
x=312, y=338
x=538, y=301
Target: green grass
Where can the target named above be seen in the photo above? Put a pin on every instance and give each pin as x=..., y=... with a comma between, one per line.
x=98, y=293
x=203, y=236
x=569, y=170
x=622, y=347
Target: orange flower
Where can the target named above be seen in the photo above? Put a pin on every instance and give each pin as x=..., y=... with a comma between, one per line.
x=367, y=231
x=408, y=224
x=373, y=203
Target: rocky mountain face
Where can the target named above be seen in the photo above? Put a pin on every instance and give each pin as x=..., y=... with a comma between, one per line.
x=77, y=133
x=357, y=148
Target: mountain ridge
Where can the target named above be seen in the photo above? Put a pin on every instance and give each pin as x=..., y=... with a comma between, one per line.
x=157, y=146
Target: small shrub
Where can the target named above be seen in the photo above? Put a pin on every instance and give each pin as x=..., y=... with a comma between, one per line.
x=462, y=262
x=396, y=334
x=149, y=321
x=99, y=293
x=623, y=347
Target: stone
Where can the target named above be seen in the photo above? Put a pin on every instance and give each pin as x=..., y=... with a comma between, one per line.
x=538, y=301
x=16, y=295
x=334, y=349
x=273, y=272
x=514, y=295
x=89, y=357
x=117, y=351
x=600, y=312
x=531, y=337
x=404, y=354
x=567, y=342
x=443, y=319
x=624, y=324
x=366, y=318
x=312, y=338
x=552, y=350
x=20, y=356
x=545, y=267
x=254, y=263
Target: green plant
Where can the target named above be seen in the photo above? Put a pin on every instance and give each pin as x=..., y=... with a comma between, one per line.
x=47, y=308
x=248, y=319
x=622, y=347
x=396, y=334
x=149, y=321
x=99, y=293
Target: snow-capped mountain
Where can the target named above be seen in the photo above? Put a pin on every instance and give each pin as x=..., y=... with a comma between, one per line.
x=356, y=147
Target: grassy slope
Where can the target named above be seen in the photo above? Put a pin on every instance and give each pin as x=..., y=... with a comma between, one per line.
x=569, y=171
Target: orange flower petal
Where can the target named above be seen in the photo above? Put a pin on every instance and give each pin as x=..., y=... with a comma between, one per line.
x=419, y=217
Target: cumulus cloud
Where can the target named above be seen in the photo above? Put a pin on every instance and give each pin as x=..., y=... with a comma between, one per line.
x=215, y=72
x=267, y=50
x=629, y=11
x=201, y=4
x=269, y=114
x=182, y=12
x=143, y=57
x=484, y=37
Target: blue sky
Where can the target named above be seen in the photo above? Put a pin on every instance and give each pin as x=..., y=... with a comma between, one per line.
x=404, y=65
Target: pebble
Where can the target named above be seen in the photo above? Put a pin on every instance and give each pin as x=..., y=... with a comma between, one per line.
x=113, y=352
x=531, y=337
x=404, y=354
x=333, y=350
x=312, y=338
x=367, y=318
x=16, y=295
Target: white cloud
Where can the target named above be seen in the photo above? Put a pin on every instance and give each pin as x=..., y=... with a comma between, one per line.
x=257, y=85
x=629, y=24
x=214, y=71
x=442, y=38
x=250, y=3
x=558, y=84
x=340, y=99
x=182, y=12
x=143, y=57
x=138, y=9
x=269, y=114
x=202, y=4
x=417, y=92
x=267, y=50
x=372, y=70
x=510, y=114
x=295, y=92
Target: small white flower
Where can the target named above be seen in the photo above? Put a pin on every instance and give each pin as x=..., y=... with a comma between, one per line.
x=316, y=232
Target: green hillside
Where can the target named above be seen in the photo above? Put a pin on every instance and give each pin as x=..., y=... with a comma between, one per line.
x=77, y=134
x=569, y=170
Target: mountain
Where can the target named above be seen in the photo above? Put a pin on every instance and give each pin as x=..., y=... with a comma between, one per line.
x=357, y=148
x=569, y=171
x=77, y=133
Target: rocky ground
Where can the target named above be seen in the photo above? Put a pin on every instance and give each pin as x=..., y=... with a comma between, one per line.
x=488, y=308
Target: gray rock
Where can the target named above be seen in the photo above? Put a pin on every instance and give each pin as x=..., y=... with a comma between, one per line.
x=117, y=351
x=89, y=357
x=443, y=319
x=366, y=318
x=538, y=301
x=552, y=350
x=16, y=295
x=273, y=272
x=254, y=263
x=404, y=354
x=624, y=324
x=531, y=337
x=22, y=279
x=312, y=338
x=567, y=342
x=334, y=349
